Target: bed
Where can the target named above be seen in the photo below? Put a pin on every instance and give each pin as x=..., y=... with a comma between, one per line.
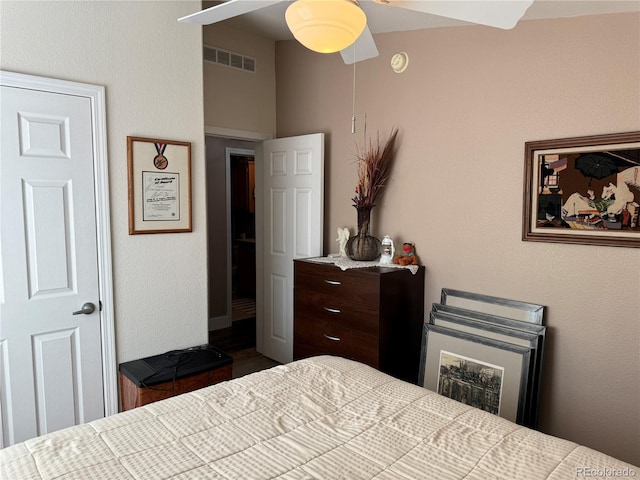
x=319, y=418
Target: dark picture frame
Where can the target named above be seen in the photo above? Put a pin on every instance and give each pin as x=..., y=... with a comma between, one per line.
x=477, y=352
x=159, y=176
x=583, y=190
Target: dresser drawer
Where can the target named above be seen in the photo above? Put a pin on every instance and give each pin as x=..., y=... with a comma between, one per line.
x=357, y=316
x=319, y=337
x=330, y=280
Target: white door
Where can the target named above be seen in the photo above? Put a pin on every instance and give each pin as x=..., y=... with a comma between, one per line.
x=51, y=370
x=290, y=184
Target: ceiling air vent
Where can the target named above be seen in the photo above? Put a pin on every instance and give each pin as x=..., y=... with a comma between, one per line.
x=229, y=59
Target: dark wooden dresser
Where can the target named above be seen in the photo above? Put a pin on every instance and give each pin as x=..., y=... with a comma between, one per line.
x=374, y=315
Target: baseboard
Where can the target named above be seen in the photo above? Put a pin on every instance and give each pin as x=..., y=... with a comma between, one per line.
x=218, y=323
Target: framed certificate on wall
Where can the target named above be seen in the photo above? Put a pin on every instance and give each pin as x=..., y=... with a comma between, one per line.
x=159, y=174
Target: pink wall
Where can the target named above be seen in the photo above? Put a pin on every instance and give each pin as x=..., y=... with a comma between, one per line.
x=469, y=100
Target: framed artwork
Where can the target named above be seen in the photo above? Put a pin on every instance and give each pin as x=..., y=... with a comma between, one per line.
x=489, y=318
x=159, y=174
x=502, y=307
x=478, y=371
x=583, y=190
x=484, y=329
x=489, y=326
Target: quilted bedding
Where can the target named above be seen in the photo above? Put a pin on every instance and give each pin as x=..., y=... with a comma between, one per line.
x=321, y=418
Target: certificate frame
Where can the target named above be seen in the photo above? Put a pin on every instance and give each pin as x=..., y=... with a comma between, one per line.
x=159, y=175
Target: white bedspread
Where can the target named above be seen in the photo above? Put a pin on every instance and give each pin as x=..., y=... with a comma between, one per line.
x=323, y=418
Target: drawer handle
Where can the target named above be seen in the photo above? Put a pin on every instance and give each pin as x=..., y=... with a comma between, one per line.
x=329, y=337
x=333, y=282
x=332, y=310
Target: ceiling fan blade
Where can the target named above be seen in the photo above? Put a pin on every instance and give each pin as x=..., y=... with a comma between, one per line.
x=493, y=13
x=362, y=49
x=228, y=9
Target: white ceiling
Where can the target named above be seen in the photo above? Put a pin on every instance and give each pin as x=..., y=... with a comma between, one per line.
x=269, y=21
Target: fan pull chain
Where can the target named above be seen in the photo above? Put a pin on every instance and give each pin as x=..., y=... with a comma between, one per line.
x=353, y=106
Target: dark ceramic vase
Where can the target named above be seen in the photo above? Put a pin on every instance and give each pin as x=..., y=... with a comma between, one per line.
x=362, y=246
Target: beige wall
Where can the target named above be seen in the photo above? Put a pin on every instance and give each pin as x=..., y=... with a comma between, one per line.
x=236, y=99
x=145, y=59
x=469, y=100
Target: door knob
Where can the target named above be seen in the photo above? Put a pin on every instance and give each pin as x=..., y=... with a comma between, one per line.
x=86, y=309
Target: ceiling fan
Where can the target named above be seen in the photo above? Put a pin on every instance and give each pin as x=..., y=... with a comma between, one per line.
x=343, y=23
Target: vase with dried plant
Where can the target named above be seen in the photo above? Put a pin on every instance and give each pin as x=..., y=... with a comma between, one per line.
x=374, y=161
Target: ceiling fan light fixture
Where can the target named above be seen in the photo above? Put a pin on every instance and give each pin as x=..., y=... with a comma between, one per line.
x=325, y=26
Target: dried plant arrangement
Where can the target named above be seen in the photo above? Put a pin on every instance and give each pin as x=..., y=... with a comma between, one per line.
x=374, y=162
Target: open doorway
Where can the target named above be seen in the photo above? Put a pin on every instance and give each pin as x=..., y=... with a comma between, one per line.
x=242, y=237
x=231, y=241
x=289, y=174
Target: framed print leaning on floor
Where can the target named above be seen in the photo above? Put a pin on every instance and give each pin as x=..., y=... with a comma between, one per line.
x=583, y=190
x=505, y=330
x=477, y=371
x=502, y=307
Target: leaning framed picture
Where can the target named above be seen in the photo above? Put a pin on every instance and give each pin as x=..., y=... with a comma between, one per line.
x=502, y=307
x=583, y=190
x=489, y=318
x=159, y=174
x=489, y=326
x=481, y=372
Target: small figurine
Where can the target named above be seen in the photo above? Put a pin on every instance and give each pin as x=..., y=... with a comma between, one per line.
x=343, y=237
x=408, y=255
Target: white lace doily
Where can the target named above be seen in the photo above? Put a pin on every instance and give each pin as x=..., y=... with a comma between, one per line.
x=345, y=263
